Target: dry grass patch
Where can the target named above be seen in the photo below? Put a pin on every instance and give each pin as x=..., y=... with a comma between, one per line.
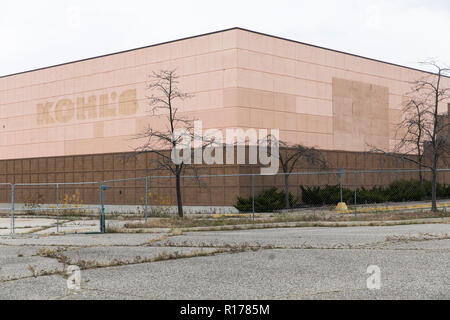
x=164, y=255
x=195, y=222
x=176, y=232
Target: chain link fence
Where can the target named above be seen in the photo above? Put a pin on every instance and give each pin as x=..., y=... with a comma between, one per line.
x=361, y=191
x=46, y=205
x=155, y=196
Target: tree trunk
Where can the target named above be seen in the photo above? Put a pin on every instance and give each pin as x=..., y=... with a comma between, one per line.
x=433, y=191
x=179, y=201
x=286, y=188
x=420, y=175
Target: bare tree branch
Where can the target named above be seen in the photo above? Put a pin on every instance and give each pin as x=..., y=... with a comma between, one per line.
x=164, y=94
x=289, y=155
x=425, y=137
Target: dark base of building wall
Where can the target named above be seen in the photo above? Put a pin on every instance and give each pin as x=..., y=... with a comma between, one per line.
x=216, y=191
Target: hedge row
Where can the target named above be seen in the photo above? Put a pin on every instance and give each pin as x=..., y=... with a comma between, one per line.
x=398, y=191
x=267, y=201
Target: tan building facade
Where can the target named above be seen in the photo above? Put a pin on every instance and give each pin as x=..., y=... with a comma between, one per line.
x=238, y=78
x=75, y=122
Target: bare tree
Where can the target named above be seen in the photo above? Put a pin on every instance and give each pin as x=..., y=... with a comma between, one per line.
x=425, y=139
x=168, y=143
x=290, y=154
x=413, y=135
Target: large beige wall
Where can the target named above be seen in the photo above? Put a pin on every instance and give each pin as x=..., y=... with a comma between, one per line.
x=49, y=112
x=238, y=79
x=306, y=91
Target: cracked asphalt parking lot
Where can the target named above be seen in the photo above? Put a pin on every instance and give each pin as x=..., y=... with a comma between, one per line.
x=291, y=263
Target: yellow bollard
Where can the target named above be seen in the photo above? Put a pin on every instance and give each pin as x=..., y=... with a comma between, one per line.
x=341, y=206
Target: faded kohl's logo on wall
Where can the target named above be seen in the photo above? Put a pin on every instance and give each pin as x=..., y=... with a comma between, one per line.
x=92, y=107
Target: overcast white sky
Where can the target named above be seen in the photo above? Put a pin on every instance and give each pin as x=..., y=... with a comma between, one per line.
x=41, y=33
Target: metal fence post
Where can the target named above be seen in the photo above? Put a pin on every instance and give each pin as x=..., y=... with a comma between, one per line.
x=57, y=208
x=102, y=210
x=253, y=197
x=341, y=173
x=356, y=187
x=100, y=202
x=146, y=196
x=12, y=209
